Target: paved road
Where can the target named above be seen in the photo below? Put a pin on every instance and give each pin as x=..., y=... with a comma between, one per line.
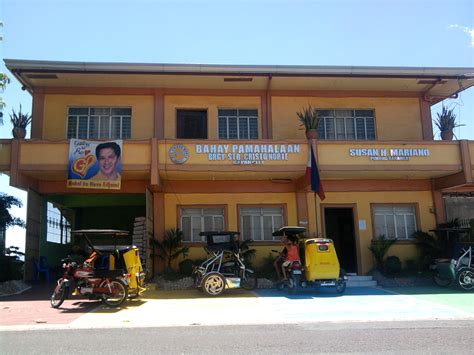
x=434, y=337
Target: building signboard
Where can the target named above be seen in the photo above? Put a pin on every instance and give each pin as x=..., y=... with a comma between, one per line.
x=382, y=154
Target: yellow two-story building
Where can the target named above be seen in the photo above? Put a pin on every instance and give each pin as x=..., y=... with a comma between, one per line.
x=220, y=147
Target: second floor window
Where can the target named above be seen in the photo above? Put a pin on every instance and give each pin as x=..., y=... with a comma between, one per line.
x=191, y=124
x=58, y=229
x=347, y=124
x=99, y=123
x=238, y=124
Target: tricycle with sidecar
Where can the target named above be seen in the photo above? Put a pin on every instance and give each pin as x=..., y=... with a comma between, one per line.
x=110, y=273
x=319, y=265
x=225, y=267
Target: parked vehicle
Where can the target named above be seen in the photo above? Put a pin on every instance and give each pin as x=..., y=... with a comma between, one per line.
x=225, y=266
x=459, y=269
x=110, y=273
x=319, y=264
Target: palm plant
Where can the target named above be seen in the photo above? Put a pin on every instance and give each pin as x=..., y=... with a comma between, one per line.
x=446, y=123
x=309, y=118
x=171, y=247
x=20, y=119
x=379, y=247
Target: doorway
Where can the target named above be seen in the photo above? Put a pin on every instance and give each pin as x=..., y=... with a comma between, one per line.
x=339, y=226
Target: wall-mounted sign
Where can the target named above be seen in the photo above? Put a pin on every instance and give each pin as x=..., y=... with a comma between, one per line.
x=389, y=153
x=247, y=154
x=179, y=154
x=95, y=165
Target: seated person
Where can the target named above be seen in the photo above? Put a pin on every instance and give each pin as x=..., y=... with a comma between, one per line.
x=280, y=259
x=292, y=256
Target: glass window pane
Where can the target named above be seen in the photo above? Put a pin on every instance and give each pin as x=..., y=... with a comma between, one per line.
x=116, y=127
x=196, y=228
x=340, y=128
x=213, y=211
x=267, y=228
x=123, y=111
x=126, y=128
x=326, y=113
x=364, y=113
x=350, y=129
x=93, y=127
x=78, y=110
x=104, y=127
x=227, y=112
x=186, y=228
x=330, y=130
x=243, y=128
x=82, y=133
x=370, y=124
x=100, y=111
x=208, y=225
x=360, y=123
x=72, y=127
x=191, y=211
x=400, y=226
x=411, y=225
x=232, y=121
x=246, y=227
x=253, y=123
x=257, y=228
x=248, y=113
x=344, y=113
x=390, y=226
x=379, y=226
x=222, y=128
x=219, y=224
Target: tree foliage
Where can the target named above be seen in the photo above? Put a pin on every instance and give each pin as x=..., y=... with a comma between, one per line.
x=6, y=219
x=171, y=247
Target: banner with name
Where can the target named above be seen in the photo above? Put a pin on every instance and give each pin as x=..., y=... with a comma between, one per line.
x=95, y=165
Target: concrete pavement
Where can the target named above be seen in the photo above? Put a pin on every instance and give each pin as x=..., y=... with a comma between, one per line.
x=235, y=307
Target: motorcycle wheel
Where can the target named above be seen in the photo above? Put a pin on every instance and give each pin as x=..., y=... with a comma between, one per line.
x=340, y=286
x=58, y=296
x=213, y=284
x=465, y=279
x=442, y=282
x=119, y=295
x=249, y=281
x=294, y=284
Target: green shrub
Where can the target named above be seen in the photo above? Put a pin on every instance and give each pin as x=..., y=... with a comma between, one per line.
x=379, y=247
x=430, y=247
x=393, y=265
x=11, y=265
x=186, y=267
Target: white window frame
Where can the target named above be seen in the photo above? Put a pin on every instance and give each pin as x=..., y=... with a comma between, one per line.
x=323, y=132
x=58, y=228
x=396, y=210
x=237, y=118
x=264, y=212
x=90, y=116
x=197, y=238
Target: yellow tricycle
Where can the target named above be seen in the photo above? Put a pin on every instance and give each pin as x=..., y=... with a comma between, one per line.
x=318, y=265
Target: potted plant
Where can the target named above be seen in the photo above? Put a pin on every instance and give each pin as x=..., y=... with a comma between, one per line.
x=19, y=121
x=446, y=123
x=310, y=119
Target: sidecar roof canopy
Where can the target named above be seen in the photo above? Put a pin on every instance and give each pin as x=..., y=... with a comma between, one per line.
x=289, y=230
x=104, y=232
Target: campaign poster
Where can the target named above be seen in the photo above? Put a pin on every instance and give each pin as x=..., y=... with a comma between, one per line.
x=95, y=165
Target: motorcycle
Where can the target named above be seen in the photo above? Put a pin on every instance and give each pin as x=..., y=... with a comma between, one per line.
x=319, y=266
x=109, y=286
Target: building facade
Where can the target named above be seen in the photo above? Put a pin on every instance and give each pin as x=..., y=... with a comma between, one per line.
x=220, y=147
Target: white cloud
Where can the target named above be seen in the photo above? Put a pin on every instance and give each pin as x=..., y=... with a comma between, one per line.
x=469, y=31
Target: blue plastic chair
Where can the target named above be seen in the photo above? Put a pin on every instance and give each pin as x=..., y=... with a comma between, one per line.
x=41, y=267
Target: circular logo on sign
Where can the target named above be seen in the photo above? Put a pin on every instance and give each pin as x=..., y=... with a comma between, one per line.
x=179, y=154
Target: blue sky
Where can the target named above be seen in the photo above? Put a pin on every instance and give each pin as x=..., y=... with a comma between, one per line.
x=436, y=33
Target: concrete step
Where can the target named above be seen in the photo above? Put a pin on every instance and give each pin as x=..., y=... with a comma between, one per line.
x=352, y=283
x=359, y=278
